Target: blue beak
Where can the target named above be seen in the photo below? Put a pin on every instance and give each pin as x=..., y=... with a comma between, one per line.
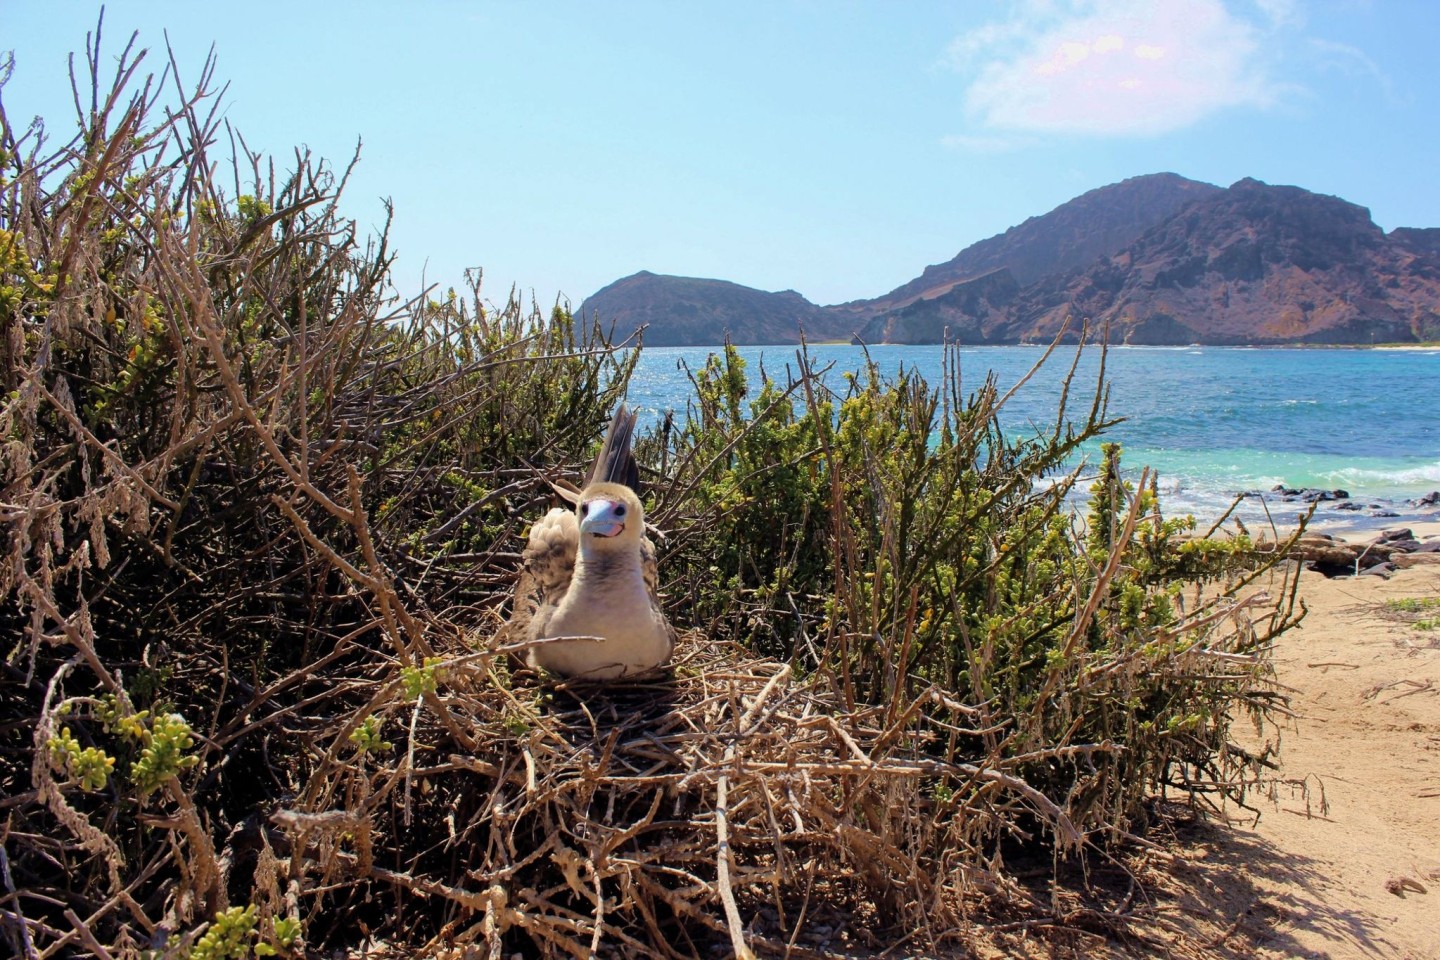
x=603, y=518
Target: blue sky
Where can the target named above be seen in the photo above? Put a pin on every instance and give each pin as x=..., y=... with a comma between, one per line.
x=835, y=148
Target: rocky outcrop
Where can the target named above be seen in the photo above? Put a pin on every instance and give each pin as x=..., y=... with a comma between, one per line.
x=1392, y=550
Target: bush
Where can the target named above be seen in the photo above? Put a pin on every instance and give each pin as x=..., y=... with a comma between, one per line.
x=261, y=518
x=891, y=538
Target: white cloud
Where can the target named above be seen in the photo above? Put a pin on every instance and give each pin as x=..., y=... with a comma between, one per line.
x=1115, y=67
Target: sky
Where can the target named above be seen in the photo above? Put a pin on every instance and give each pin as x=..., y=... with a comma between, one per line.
x=831, y=147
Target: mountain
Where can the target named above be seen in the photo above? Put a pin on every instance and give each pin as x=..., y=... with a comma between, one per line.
x=969, y=311
x=1253, y=264
x=687, y=311
x=1159, y=259
x=1074, y=234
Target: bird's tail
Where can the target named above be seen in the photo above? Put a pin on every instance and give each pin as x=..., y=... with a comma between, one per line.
x=615, y=463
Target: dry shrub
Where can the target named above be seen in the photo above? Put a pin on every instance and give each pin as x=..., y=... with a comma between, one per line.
x=260, y=521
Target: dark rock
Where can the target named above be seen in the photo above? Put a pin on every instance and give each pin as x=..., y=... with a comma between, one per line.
x=1379, y=570
x=1349, y=505
x=1336, y=558
x=1431, y=499
x=1398, y=533
x=1309, y=495
x=1428, y=546
x=1385, y=514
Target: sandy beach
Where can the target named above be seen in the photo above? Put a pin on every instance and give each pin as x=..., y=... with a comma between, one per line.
x=1344, y=858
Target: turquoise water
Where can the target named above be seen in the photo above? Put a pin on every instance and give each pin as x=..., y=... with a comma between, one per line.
x=1213, y=421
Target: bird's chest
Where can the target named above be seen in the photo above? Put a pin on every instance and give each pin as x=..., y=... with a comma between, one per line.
x=616, y=608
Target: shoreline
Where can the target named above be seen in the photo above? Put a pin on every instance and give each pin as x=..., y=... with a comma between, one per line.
x=1362, y=529
x=1268, y=515
x=1422, y=529
x=1427, y=346
x=1352, y=530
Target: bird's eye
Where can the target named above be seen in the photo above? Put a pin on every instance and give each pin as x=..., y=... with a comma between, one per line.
x=620, y=510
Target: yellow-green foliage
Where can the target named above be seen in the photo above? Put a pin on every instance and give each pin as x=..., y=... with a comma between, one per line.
x=287, y=933
x=1414, y=609
x=158, y=743
x=418, y=681
x=229, y=937
x=89, y=765
x=367, y=736
x=236, y=934
x=163, y=754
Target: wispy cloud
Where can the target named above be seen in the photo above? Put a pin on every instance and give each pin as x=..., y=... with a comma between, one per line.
x=1282, y=13
x=1115, y=67
x=1354, y=62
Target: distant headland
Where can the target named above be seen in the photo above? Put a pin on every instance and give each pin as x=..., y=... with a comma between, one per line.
x=1160, y=259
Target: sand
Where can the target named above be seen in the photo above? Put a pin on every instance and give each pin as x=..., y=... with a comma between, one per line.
x=1345, y=860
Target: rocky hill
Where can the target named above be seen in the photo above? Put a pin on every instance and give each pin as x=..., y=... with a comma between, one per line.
x=1253, y=264
x=1160, y=259
x=1074, y=234
x=687, y=311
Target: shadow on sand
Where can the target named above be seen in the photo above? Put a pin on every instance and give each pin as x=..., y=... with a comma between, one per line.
x=1235, y=895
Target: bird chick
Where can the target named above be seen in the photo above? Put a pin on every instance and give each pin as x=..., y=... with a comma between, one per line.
x=590, y=575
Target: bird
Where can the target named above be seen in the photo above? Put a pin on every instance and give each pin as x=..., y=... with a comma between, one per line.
x=590, y=574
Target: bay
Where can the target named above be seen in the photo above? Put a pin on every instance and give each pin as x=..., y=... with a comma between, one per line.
x=1214, y=422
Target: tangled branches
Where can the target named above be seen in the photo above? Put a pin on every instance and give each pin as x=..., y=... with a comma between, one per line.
x=260, y=520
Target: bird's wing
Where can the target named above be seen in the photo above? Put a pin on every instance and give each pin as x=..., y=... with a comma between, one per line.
x=549, y=565
x=550, y=554
x=615, y=463
x=649, y=570
x=651, y=574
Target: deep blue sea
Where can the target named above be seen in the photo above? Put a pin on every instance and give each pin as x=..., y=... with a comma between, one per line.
x=1212, y=421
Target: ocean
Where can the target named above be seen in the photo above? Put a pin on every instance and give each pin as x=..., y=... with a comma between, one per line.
x=1214, y=422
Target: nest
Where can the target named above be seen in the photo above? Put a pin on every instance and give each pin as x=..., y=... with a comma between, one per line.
x=724, y=801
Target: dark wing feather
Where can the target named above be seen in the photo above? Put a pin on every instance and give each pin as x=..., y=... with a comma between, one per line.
x=615, y=463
